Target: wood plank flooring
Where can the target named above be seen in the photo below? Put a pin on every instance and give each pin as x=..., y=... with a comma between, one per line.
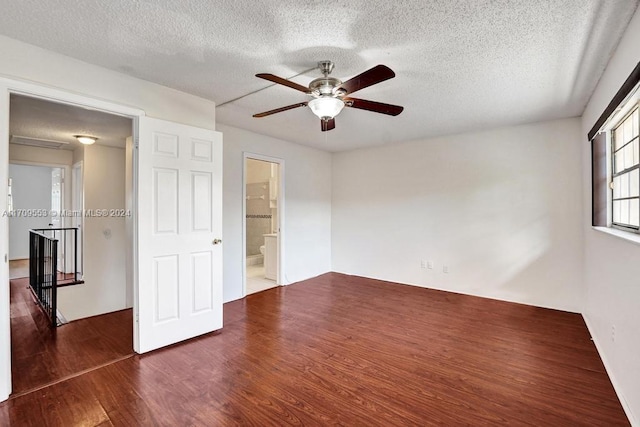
x=342, y=350
x=41, y=355
x=18, y=268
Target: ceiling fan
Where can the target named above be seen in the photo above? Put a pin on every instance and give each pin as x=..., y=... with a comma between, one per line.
x=330, y=95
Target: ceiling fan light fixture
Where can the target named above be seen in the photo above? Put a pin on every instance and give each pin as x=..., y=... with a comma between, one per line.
x=326, y=107
x=86, y=140
x=329, y=95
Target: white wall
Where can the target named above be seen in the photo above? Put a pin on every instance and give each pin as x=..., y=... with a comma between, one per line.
x=31, y=189
x=612, y=265
x=307, y=211
x=105, y=239
x=78, y=155
x=500, y=208
x=258, y=171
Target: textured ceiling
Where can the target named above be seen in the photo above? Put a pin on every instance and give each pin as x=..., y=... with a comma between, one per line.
x=460, y=65
x=36, y=118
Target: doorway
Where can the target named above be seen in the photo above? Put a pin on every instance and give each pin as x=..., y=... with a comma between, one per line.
x=263, y=202
x=94, y=302
x=154, y=142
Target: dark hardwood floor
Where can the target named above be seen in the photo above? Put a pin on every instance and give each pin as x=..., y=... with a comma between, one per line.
x=342, y=350
x=41, y=355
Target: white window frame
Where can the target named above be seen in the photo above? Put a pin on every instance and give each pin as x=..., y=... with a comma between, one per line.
x=628, y=109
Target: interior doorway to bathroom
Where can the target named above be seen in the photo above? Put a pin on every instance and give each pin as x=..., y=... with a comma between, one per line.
x=263, y=201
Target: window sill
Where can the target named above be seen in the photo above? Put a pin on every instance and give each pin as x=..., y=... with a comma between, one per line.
x=630, y=237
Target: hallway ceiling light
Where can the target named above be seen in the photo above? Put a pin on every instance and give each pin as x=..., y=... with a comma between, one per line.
x=86, y=140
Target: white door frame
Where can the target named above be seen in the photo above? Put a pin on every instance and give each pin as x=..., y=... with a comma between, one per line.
x=18, y=87
x=281, y=231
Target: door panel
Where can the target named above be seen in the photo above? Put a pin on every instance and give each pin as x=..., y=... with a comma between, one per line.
x=202, y=267
x=165, y=201
x=201, y=199
x=179, y=215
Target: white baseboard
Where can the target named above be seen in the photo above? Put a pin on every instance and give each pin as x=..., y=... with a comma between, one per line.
x=627, y=409
x=63, y=320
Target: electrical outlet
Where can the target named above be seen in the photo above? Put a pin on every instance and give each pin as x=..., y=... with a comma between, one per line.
x=613, y=333
x=430, y=265
x=423, y=264
x=445, y=269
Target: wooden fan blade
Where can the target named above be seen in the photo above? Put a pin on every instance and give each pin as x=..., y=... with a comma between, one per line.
x=284, y=82
x=281, y=109
x=375, y=75
x=376, y=107
x=326, y=125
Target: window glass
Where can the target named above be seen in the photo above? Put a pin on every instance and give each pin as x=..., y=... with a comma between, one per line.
x=617, y=185
x=624, y=211
x=628, y=129
x=618, y=138
x=625, y=148
x=628, y=156
x=634, y=217
x=619, y=161
x=634, y=183
x=624, y=185
x=616, y=211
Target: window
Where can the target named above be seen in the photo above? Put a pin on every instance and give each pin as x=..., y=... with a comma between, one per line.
x=625, y=175
x=615, y=152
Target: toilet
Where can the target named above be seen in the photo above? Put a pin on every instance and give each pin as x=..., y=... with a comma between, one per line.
x=270, y=252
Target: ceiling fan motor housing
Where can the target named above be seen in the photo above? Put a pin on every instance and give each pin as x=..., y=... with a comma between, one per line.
x=326, y=86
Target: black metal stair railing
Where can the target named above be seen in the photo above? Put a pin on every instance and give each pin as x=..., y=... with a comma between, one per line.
x=43, y=272
x=46, y=271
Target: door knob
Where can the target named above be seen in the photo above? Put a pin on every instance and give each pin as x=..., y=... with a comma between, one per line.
x=217, y=241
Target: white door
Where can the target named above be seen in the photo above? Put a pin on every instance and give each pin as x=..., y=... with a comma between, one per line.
x=56, y=196
x=77, y=209
x=57, y=180
x=179, y=205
